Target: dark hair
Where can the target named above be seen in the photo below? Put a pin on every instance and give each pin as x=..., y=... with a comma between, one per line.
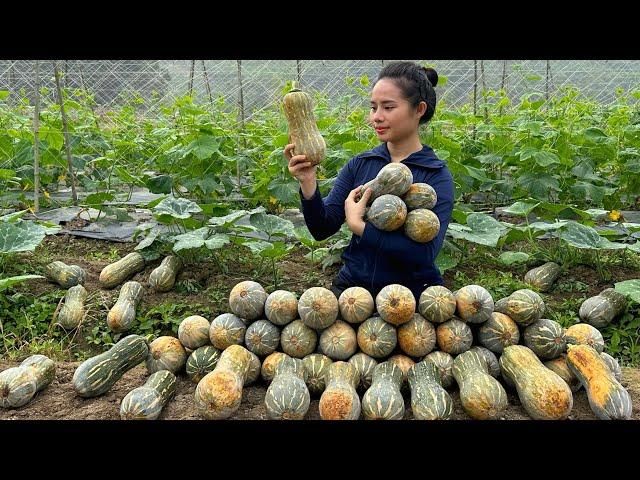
x=416, y=82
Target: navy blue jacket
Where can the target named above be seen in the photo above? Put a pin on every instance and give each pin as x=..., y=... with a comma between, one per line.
x=380, y=258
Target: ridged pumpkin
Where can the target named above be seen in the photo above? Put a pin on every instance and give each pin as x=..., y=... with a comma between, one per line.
x=387, y=213
x=297, y=340
x=417, y=337
x=481, y=395
x=166, y=353
x=18, y=385
x=66, y=276
x=393, y=179
x=269, y=365
x=115, y=273
x=356, y=304
x=444, y=362
x=420, y=195
x=364, y=366
x=262, y=338
x=163, y=278
x=383, y=400
x=490, y=358
x=202, y=361
x=543, y=393
x=281, y=307
x=429, y=399
x=193, y=332
x=72, y=312
x=318, y=308
x=608, y=399
x=437, y=304
x=474, y=304
x=340, y=401
x=559, y=365
x=376, y=337
x=600, y=310
x=227, y=329
x=454, y=336
x=613, y=365
x=546, y=339
x=98, y=374
x=255, y=367
x=303, y=131
x=396, y=304
x=421, y=225
x=584, y=334
x=543, y=277
x=523, y=306
x=338, y=342
x=498, y=332
x=247, y=300
x=146, y=402
x=219, y=393
x=123, y=313
x=287, y=397
x=316, y=367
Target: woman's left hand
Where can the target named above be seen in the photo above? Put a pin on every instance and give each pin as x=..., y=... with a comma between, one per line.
x=354, y=211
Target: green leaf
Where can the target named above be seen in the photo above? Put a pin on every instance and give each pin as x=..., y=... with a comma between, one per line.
x=303, y=234
x=481, y=229
x=4, y=94
x=511, y=258
x=160, y=184
x=277, y=251
x=595, y=135
x=547, y=227
x=176, y=207
x=10, y=281
x=190, y=240
x=318, y=254
x=445, y=261
x=22, y=236
x=285, y=192
x=630, y=288
x=216, y=241
x=204, y=146
x=13, y=217
x=355, y=147
x=147, y=241
x=272, y=224
x=538, y=185
x=258, y=246
x=521, y=209
x=6, y=174
x=95, y=200
x=228, y=221
x=589, y=191
x=634, y=247
x=582, y=236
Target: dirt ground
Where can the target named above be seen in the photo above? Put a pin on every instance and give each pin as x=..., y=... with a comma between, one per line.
x=59, y=401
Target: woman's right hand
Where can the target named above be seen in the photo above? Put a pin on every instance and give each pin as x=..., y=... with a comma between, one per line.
x=299, y=167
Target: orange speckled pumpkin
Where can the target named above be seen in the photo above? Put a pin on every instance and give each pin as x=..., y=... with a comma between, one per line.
x=420, y=195
x=475, y=304
x=396, y=304
x=247, y=299
x=387, y=213
x=454, y=336
x=437, y=304
x=421, y=225
x=356, y=304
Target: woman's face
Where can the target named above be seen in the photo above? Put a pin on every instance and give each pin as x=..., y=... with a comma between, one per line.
x=392, y=116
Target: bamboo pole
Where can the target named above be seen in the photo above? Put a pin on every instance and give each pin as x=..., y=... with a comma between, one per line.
x=36, y=142
x=484, y=90
x=241, y=105
x=546, y=87
x=299, y=71
x=193, y=67
x=65, y=131
x=503, y=82
x=475, y=94
x=206, y=82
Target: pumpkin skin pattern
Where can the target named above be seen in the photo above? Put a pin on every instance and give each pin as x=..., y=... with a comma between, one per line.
x=376, y=337
x=269, y=365
x=545, y=338
x=444, y=362
x=202, y=361
x=474, y=304
x=491, y=359
x=421, y=225
x=600, y=310
x=498, y=333
x=420, y=195
x=247, y=299
x=318, y=308
x=383, y=400
x=429, y=400
x=356, y=304
x=340, y=401
x=226, y=330
x=387, y=213
x=559, y=365
x=66, y=276
x=523, y=306
x=543, y=277
x=316, y=367
x=287, y=397
x=193, y=332
x=338, y=342
x=584, y=334
x=364, y=366
x=454, y=336
x=281, y=307
x=166, y=353
x=253, y=373
x=613, y=365
x=393, y=179
x=396, y=304
x=262, y=338
x=19, y=384
x=417, y=337
x=405, y=364
x=146, y=402
x=297, y=340
x=303, y=130
x=437, y=304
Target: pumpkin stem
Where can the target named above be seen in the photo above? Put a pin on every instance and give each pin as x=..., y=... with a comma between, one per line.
x=295, y=86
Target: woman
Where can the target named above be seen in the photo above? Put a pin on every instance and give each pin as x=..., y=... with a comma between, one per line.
x=402, y=98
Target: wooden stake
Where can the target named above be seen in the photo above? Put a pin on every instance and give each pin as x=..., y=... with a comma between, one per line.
x=484, y=89
x=206, y=82
x=299, y=71
x=36, y=142
x=241, y=104
x=193, y=67
x=504, y=80
x=546, y=88
x=65, y=131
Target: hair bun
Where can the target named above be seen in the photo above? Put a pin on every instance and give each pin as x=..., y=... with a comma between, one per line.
x=432, y=75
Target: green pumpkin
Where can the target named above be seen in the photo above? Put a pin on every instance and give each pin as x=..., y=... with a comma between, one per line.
x=123, y=313
x=281, y=307
x=255, y=367
x=429, y=400
x=18, y=385
x=297, y=340
x=247, y=299
x=364, y=365
x=164, y=276
x=269, y=365
x=262, y=338
x=396, y=304
x=498, y=332
x=543, y=277
x=490, y=358
x=523, y=307
x=98, y=374
x=226, y=330
x=193, y=332
x=444, y=363
x=600, y=310
x=340, y=401
x=454, y=336
x=545, y=338
x=66, y=276
x=417, y=337
x=115, y=273
x=437, y=304
x=387, y=213
x=72, y=311
x=559, y=366
x=166, y=353
x=202, y=361
x=420, y=195
x=421, y=225
x=393, y=178
x=146, y=402
x=383, y=400
x=356, y=304
x=474, y=304
x=318, y=308
x=613, y=365
x=316, y=366
x=584, y=334
x=338, y=342
x=287, y=397
x=376, y=337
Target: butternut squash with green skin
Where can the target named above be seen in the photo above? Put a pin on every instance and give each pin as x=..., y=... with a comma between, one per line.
x=316, y=366
x=559, y=365
x=444, y=362
x=600, y=310
x=396, y=304
x=123, y=313
x=393, y=179
x=613, y=365
x=98, y=374
x=202, y=361
x=166, y=353
x=66, y=276
x=364, y=365
x=356, y=304
x=481, y=395
x=219, y=393
x=383, y=400
x=340, y=401
x=437, y=304
x=303, y=131
x=163, y=278
x=146, y=402
x=543, y=393
x=193, y=332
x=114, y=274
x=584, y=334
x=247, y=299
x=18, y=385
x=72, y=312
x=608, y=399
x=429, y=399
x=287, y=397
x=543, y=277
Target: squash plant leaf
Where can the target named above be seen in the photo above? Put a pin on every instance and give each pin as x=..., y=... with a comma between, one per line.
x=23, y=236
x=176, y=208
x=10, y=281
x=630, y=288
x=514, y=258
x=272, y=225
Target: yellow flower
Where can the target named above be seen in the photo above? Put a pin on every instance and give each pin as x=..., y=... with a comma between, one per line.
x=273, y=200
x=615, y=215
x=46, y=194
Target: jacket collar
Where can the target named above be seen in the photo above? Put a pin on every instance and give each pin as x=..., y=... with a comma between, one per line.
x=425, y=158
